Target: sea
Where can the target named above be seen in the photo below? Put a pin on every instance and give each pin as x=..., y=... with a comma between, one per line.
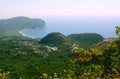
x=103, y=25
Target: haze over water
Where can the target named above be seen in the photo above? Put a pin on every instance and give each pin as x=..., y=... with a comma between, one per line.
x=100, y=14
x=69, y=25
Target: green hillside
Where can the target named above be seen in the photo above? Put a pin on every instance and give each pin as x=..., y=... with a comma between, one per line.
x=55, y=39
x=27, y=58
x=86, y=39
x=21, y=57
x=83, y=40
x=104, y=43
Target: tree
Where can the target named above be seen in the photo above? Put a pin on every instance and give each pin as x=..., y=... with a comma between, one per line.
x=117, y=31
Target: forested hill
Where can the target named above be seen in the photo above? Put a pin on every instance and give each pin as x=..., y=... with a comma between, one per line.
x=86, y=39
x=83, y=40
x=20, y=23
x=54, y=38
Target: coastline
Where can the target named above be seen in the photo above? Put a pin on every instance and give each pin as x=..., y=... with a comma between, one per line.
x=21, y=32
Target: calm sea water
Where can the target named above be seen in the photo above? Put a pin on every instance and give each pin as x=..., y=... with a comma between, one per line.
x=69, y=25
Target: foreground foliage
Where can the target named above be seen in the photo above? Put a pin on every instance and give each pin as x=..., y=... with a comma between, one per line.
x=24, y=58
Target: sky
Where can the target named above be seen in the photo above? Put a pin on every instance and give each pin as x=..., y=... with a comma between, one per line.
x=34, y=8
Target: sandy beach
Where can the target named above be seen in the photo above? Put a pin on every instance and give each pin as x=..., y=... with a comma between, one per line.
x=23, y=34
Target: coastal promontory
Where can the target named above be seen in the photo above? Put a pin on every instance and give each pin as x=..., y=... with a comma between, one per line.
x=13, y=25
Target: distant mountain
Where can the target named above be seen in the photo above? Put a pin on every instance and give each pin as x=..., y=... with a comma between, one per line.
x=20, y=23
x=54, y=38
x=86, y=39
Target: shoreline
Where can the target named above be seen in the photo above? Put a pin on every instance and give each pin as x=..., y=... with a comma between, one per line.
x=24, y=35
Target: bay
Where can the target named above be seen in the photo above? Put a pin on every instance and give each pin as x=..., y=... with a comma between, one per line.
x=69, y=25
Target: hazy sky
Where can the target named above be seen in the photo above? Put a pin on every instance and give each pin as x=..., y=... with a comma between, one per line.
x=36, y=8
